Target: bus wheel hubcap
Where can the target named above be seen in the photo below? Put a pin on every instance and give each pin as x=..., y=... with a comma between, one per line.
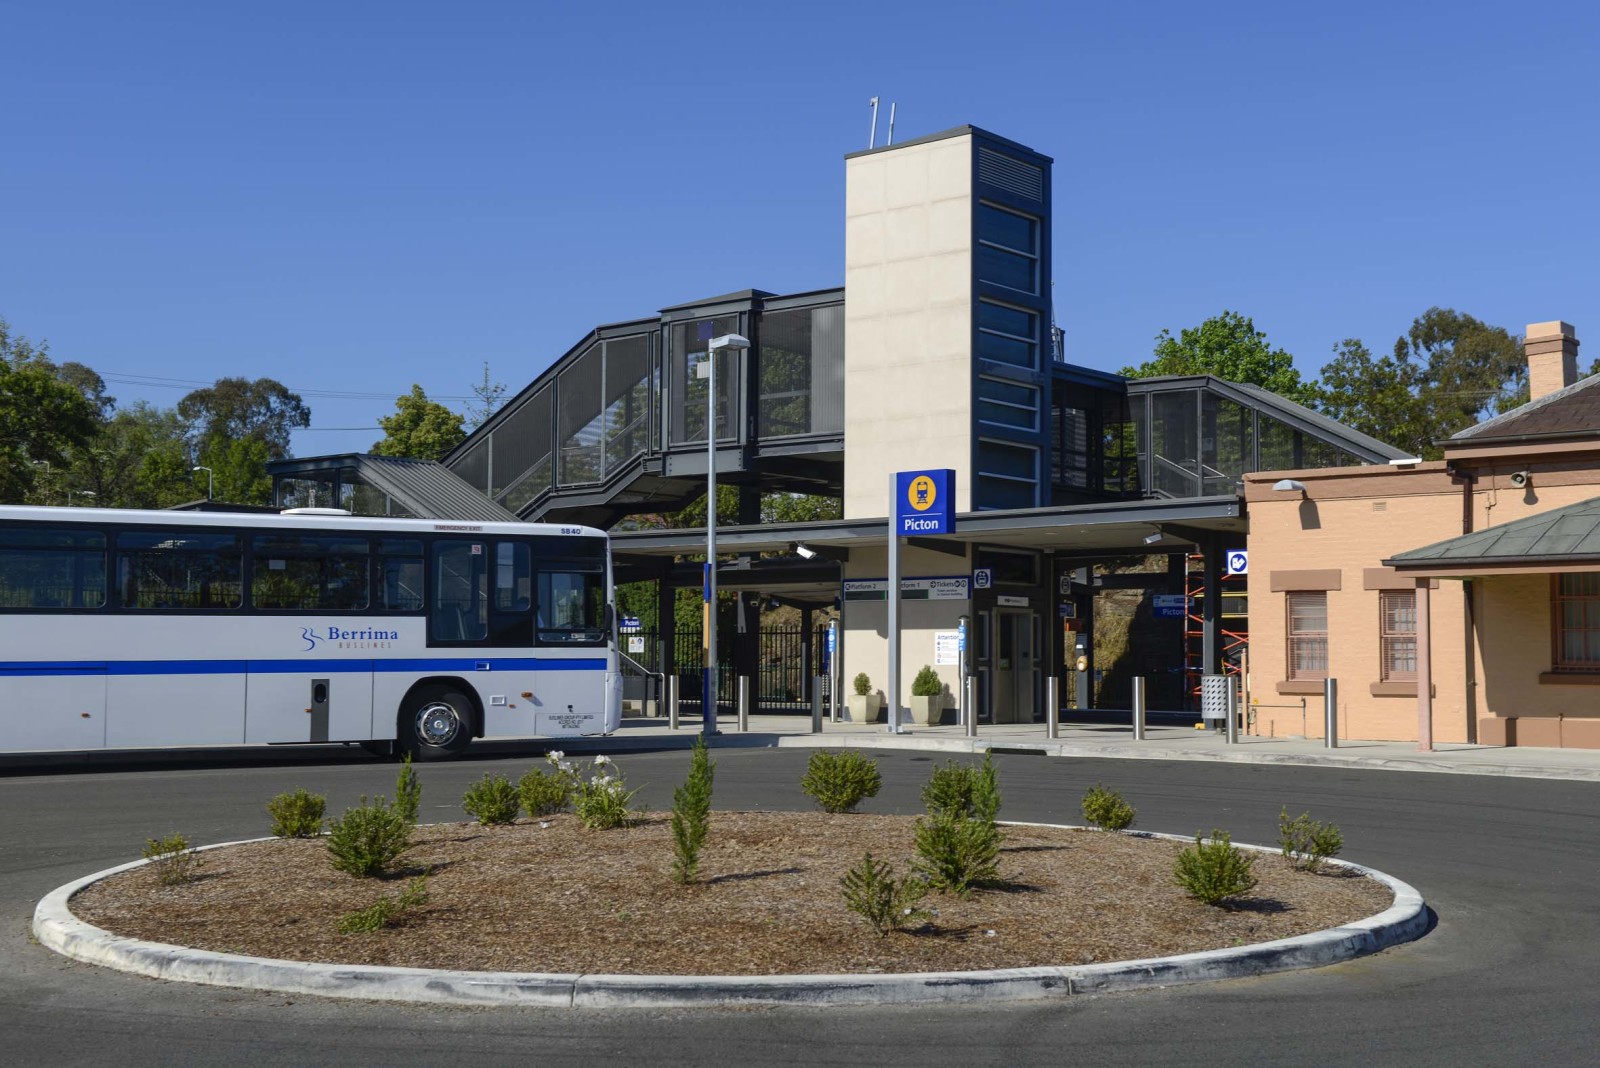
x=438, y=724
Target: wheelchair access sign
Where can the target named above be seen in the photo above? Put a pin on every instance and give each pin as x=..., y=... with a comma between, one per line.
x=925, y=502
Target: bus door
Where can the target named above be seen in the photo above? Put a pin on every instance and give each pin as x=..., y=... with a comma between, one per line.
x=571, y=694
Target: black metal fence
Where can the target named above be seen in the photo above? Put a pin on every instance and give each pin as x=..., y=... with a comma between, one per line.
x=780, y=679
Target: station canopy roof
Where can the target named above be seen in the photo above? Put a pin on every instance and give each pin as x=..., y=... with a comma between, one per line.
x=1086, y=530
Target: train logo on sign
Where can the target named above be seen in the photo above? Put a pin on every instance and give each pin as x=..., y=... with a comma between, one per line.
x=922, y=502
x=922, y=493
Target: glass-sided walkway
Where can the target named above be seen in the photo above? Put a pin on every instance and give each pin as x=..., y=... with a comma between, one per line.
x=617, y=424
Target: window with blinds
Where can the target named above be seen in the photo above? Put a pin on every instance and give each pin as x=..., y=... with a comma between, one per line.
x=1575, y=600
x=1397, y=635
x=1308, y=635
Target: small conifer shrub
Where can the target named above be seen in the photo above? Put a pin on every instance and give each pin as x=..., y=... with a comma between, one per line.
x=1106, y=809
x=840, y=781
x=872, y=892
x=492, y=801
x=368, y=838
x=544, y=793
x=297, y=814
x=1212, y=871
x=408, y=792
x=691, y=813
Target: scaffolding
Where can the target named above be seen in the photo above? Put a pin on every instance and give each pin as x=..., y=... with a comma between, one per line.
x=1235, y=636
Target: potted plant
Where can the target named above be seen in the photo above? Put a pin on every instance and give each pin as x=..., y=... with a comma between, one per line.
x=927, y=697
x=863, y=704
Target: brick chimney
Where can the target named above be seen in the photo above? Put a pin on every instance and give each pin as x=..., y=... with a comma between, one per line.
x=1552, y=350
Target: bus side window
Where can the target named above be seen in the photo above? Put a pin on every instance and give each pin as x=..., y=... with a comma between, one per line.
x=52, y=569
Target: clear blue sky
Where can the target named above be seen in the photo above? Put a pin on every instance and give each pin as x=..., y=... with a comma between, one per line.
x=355, y=197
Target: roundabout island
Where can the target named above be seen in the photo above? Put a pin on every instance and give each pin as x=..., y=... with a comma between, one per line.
x=545, y=912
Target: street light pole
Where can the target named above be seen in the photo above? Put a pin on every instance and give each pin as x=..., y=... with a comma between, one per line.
x=708, y=626
x=210, y=480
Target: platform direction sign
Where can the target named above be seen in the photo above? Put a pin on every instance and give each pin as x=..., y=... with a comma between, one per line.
x=1169, y=605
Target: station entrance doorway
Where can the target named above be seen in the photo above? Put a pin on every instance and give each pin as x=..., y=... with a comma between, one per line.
x=1016, y=665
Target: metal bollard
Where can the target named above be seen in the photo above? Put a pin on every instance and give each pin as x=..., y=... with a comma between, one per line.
x=1230, y=730
x=672, y=702
x=1052, y=707
x=744, y=704
x=816, y=704
x=972, y=706
x=1330, y=713
x=1138, y=708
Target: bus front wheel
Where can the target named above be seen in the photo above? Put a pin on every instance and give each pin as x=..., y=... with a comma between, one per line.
x=436, y=724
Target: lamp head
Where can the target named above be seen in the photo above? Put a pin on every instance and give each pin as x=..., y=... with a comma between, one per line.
x=730, y=341
x=1288, y=485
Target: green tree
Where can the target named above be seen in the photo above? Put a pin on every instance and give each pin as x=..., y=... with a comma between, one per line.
x=42, y=418
x=1448, y=372
x=232, y=409
x=138, y=458
x=1229, y=347
x=420, y=429
x=239, y=469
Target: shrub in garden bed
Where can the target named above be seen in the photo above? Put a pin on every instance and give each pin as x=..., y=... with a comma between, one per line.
x=297, y=814
x=1106, y=809
x=368, y=838
x=1212, y=871
x=1307, y=842
x=840, y=781
x=492, y=801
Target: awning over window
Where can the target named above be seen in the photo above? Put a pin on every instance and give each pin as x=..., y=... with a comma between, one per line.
x=1563, y=539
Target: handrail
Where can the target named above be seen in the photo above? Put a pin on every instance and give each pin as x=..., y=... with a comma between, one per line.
x=660, y=678
x=640, y=668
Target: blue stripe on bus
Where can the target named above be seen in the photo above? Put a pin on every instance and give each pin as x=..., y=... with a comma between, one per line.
x=290, y=667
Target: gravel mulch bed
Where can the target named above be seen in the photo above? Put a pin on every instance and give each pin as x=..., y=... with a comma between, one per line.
x=551, y=897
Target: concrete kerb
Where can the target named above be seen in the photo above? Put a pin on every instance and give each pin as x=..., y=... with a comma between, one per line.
x=58, y=929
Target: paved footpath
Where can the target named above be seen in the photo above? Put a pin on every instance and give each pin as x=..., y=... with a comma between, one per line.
x=1115, y=742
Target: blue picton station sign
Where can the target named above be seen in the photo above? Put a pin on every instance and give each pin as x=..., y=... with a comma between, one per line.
x=925, y=502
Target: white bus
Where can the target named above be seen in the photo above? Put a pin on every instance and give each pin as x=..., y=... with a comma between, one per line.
x=133, y=629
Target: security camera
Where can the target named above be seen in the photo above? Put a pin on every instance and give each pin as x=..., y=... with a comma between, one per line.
x=1520, y=479
x=804, y=553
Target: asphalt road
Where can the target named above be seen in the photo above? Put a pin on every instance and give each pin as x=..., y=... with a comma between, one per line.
x=1508, y=976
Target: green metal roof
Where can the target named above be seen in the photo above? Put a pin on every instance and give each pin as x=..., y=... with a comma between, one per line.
x=1569, y=535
